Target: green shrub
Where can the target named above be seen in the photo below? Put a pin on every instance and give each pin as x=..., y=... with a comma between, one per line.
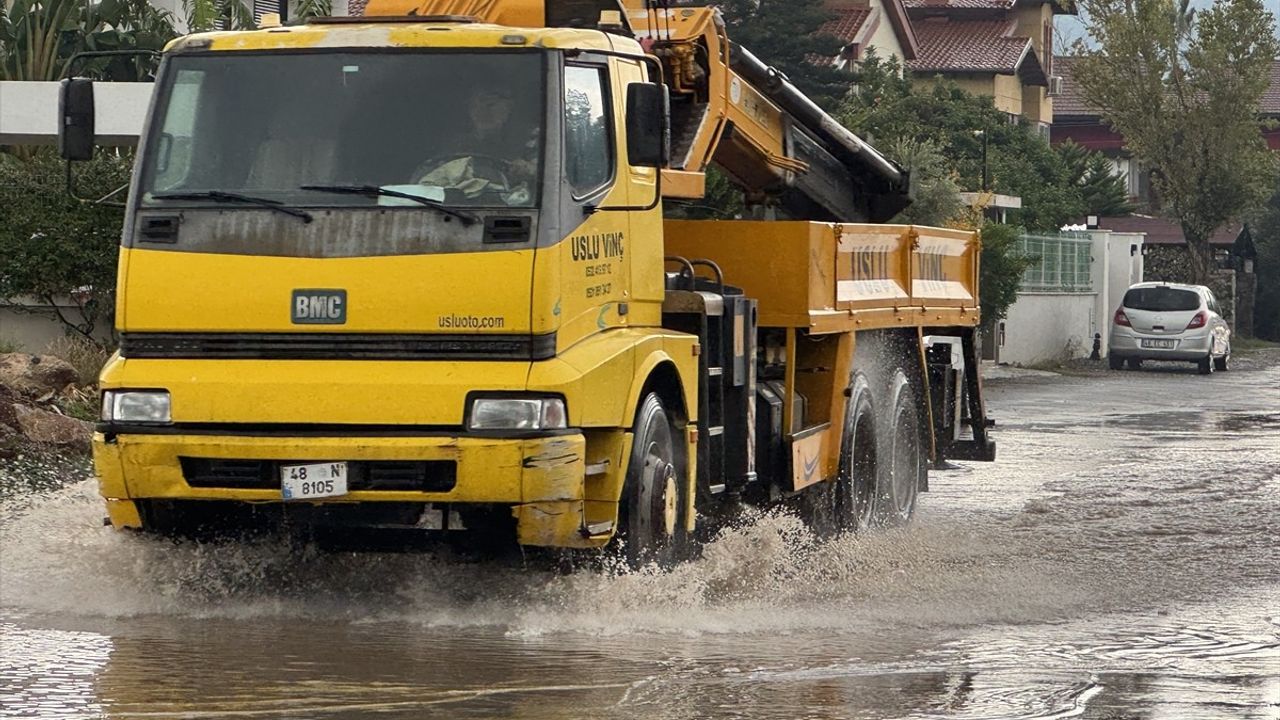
x=55, y=246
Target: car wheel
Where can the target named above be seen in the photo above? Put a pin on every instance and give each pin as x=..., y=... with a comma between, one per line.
x=1115, y=362
x=1135, y=363
x=1207, y=364
x=1223, y=363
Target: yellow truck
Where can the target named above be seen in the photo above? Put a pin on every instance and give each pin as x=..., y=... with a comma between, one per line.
x=412, y=270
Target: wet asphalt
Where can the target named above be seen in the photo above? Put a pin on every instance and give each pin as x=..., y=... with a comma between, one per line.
x=1121, y=559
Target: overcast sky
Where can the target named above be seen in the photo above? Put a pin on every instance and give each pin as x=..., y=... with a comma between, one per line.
x=1070, y=29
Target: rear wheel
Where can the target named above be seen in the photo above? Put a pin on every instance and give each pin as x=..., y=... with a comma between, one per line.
x=847, y=502
x=903, y=466
x=654, y=498
x=1207, y=364
x=1223, y=363
x=1115, y=362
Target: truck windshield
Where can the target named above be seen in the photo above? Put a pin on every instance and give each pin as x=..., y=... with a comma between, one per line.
x=459, y=129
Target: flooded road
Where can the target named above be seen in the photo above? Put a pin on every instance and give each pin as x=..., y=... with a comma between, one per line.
x=1121, y=560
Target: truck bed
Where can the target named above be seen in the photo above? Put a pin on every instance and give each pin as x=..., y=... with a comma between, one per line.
x=831, y=277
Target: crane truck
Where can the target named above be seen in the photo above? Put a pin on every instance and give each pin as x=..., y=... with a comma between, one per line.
x=412, y=270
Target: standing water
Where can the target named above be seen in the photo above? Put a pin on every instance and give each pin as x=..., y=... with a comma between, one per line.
x=1120, y=560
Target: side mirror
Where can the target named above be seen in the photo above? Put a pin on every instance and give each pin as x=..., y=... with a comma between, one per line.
x=648, y=125
x=75, y=127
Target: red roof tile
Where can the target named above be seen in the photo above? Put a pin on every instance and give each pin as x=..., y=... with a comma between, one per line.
x=1271, y=98
x=1163, y=232
x=845, y=23
x=1071, y=103
x=960, y=4
x=968, y=45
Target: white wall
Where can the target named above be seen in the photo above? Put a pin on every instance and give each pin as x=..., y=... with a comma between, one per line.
x=32, y=327
x=884, y=39
x=1047, y=327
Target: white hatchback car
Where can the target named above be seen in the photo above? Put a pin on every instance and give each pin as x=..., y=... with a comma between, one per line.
x=1164, y=321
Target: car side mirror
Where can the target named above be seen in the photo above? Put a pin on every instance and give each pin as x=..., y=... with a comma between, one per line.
x=648, y=125
x=76, y=116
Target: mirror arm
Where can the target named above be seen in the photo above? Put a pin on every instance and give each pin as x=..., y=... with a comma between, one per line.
x=105, y=200
x=657, y=198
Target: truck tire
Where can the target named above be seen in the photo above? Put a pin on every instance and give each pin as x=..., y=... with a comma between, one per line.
x=654, y=497
x=903, y=463
x=859, y=471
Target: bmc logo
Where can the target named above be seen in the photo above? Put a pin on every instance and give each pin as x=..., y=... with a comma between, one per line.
x=319, y=307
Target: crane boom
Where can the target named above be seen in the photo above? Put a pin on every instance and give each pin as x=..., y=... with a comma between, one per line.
x=729, y=108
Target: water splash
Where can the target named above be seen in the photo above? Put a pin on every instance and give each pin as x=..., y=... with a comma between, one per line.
x=55, y=556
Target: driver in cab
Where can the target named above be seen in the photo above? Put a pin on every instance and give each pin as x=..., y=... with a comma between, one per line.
x=493, y=154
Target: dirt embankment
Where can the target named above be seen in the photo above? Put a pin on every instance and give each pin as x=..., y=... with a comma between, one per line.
x=41, y=446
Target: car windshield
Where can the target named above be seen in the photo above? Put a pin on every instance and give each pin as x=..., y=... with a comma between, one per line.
x=462, y=129
x=1161, y=299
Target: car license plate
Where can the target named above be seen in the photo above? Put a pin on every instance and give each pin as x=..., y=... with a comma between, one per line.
x=316, y=480
x=1159, y=344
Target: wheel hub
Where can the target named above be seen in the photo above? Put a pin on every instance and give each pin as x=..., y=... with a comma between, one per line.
x=669, y=500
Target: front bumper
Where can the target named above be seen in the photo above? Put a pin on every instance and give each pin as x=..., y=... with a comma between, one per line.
x=1187, y=347
x=541, y=479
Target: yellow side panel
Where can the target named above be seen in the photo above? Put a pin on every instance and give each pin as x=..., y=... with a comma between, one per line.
x=779, y=263
x=834, y=277
x=582, y=281
x=595, y=376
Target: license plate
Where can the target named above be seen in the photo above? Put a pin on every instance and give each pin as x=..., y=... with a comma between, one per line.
x=1159, y=344
x=316, y=480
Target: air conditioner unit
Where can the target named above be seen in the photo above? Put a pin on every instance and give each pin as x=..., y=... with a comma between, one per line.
x=1055, y=85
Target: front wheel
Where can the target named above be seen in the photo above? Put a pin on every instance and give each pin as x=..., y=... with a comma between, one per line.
x=654, y=498
x=1115, y=362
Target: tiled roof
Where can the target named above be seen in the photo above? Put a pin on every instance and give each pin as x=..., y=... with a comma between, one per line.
x=1271, y=98
x=960, y=4
x=1163, y=232
x=1060, y=7
x=968, y=45
x=845, y=23
x=1070, y=102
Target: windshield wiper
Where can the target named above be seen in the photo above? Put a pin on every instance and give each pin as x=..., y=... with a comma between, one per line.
x=375, y=191
x=230, y=197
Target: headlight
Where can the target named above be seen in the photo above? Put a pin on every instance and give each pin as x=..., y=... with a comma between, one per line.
x=517, y=414
x=145, y=406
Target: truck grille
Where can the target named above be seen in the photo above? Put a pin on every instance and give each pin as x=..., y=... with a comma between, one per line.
x=336, y=346
x=403, y=475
